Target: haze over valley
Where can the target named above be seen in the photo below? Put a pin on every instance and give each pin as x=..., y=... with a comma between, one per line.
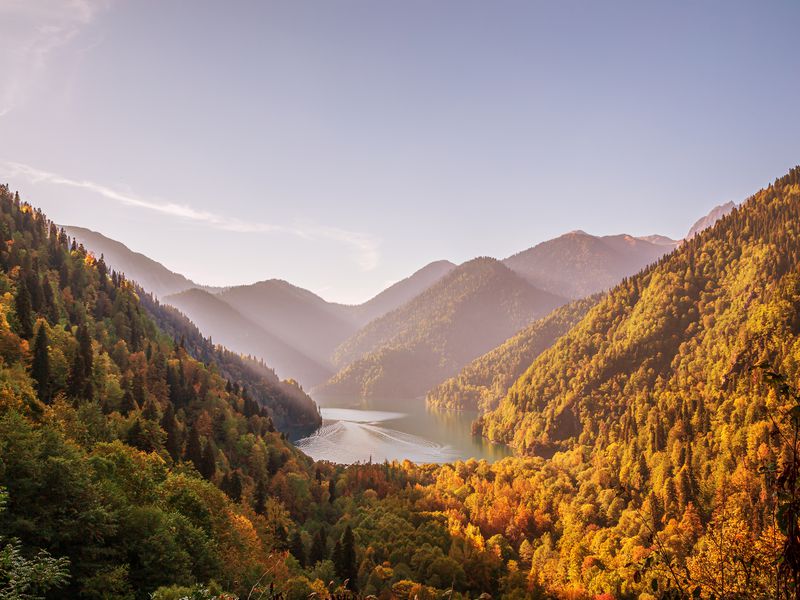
x=399, y=300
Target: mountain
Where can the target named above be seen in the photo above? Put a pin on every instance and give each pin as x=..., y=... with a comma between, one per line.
x=712, y=217
x=151, y=275
x=576, y=264
x=660, y=240
x=666, y=342
x=314, y=326
x=469, y=311
x=292, y=329
x=401, y=292
x=228, y=327
x=657, y=444
x=123, y=456
x=484, y=382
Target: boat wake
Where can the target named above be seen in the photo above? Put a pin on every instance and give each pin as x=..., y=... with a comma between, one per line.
x=364, y=438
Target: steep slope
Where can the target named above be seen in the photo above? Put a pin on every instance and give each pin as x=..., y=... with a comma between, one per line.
x=314, y=326
x=484, y=382
x=402, y=354
x=228, y=327
x=710, y=219
x=151, y=275
x=667, y=339
x=577, y=264
x=121, y=454
x=291, y=328
x=401, y=292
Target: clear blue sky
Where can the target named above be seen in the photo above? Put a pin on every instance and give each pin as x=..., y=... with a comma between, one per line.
x=342, y=144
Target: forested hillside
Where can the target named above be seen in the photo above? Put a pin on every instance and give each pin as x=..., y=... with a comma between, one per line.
x=668, y=414
x=225, y=325
x=485, y=381
x=151, y=275
x=664, y=389
x=404, y=353
x=97, y=403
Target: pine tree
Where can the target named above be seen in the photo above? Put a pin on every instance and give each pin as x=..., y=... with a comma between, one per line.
x=260, y=498
x=22, y=305
x=281, y=540
x=79, y=383
x=128, y=403
x=76, y=382
x=50, y=307
x=194, y=450
x=40, y=367
x=348, y=569
x=235, y=487
x=336, y=557
x=208, y=462
x=331, y=491
x=170, y=426
x=319, y=547
x=150, y=411
x=297, y=549
x=137, y=437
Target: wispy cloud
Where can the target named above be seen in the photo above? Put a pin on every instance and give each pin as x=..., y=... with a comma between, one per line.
x=365, y=247
x=31, y=32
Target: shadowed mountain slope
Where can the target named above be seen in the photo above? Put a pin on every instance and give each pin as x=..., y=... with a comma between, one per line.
x=472, y=309
x=227, y=326
x=485, y=381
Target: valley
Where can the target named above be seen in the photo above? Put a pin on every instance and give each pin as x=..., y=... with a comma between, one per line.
x=399, y=300
x=554, y=412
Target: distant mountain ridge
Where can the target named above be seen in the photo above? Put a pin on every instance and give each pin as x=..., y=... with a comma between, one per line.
x=306, y=337
x=401, y=292
x=577, y=264
x=710, y=219
x=150, y=274
x=311, y=324
x=473, y=308
x=226, y=326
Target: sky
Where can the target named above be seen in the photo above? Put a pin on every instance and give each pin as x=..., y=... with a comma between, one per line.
x=341, y=145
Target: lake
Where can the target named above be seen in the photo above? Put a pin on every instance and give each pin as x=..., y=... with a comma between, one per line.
x=409, y=431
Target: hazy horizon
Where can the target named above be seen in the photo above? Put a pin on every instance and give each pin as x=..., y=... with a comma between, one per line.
x=341, y=149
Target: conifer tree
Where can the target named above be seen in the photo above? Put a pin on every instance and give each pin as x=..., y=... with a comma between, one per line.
x=22, y=305
x=208, y=462
x=347, y=568
x=235, y=487
x=319, y=547
x=76, y=382
x=170, y=426
x=137, y=438
x=336, y=557
x=50, y=307
x=297, y=549
x=40, y=366
x=128, y=403
x=194, y=450
x=260, y=498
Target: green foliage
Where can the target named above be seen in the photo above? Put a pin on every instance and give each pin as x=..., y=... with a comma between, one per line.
x=23, y=578
x=654, y=462
x=483, y=383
